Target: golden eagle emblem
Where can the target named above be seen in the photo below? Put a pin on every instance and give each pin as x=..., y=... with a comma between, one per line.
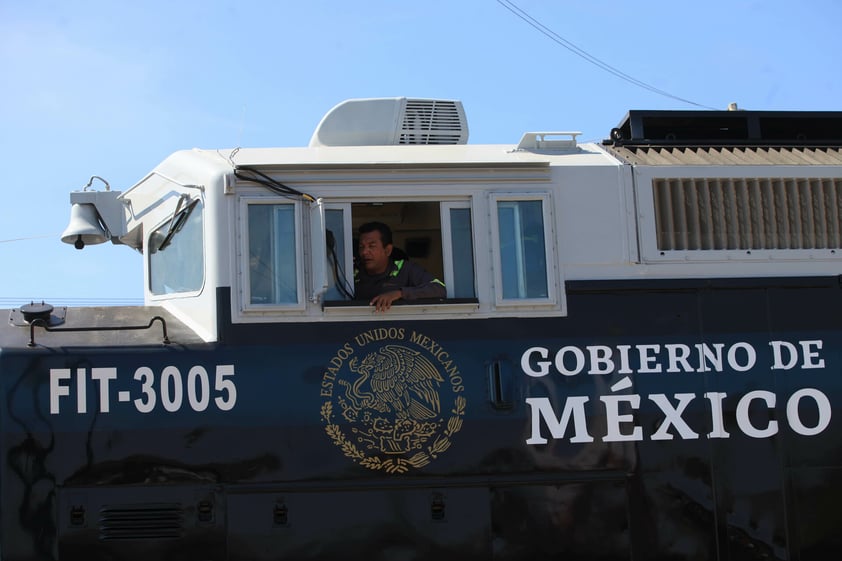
x=390, y=407
x=401, y=381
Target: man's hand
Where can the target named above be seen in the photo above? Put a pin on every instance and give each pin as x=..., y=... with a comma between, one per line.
x=383, y=302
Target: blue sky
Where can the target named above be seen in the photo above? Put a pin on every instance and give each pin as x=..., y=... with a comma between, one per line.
x=110, y=88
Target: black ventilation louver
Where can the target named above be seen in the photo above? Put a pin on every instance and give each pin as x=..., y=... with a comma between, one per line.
x=149, y=521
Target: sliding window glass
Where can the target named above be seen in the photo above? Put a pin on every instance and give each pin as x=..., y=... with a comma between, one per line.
x=523, y=271
x=340, y=272
x=273, y=255
x=458, y=250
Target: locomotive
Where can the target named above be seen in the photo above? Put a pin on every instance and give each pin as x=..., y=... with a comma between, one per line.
x=638, y=356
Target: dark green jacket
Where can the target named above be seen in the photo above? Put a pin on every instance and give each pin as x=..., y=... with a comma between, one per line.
x=412, y=279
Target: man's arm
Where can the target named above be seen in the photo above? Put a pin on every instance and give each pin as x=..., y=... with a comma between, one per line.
x=417, y=283
x=421, y=283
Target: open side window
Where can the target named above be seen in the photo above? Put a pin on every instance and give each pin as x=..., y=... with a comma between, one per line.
x=416, y=230
x=437, y=236
x=522, y=244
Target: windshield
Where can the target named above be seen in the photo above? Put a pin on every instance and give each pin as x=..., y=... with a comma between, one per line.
x=176, y=252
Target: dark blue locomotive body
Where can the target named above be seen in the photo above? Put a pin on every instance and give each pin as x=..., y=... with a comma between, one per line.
x=222, y=451
x=619, y=411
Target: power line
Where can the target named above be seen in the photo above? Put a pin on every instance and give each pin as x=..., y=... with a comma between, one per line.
x=30, y=238
x=16, y=302
x=546, y=31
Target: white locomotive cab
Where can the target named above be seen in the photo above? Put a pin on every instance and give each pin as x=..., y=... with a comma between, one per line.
x=247, y=235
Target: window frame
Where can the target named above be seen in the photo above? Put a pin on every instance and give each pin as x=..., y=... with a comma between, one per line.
x=158, y=296
x=479, y=197
x=447, y=243
x=244, y=269
x=552, y=299
x=347, y=236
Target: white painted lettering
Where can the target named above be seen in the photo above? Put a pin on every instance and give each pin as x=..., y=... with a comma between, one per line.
x=614, y=419
x=171, y=399
x=543, y=365
x=743, y=420
x=601, y=362
x=573, y=407
x=709, y=356
x=778, y=348
x=57, y=389
x=225, y=385
x=104, y=377
x=198, y=388
x=810, y=355
x=677, y=353
x=624, y=359
x=716, y=420
x=673, y=416
x=169, y=390
x=794, y=419
x=81, y=391
x=750, y=359
x=648, y=358
x=578, y=357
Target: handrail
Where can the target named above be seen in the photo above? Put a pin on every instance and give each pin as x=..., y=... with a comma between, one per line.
x=41, y=323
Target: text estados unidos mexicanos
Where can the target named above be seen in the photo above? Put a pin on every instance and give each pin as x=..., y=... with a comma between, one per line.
x=676, y=358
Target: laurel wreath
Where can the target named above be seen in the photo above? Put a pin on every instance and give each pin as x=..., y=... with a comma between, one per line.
x=395, y=465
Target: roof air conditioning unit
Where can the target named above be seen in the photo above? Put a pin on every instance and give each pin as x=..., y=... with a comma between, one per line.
x=392, y=121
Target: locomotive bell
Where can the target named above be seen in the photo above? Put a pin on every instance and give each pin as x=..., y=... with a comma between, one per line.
x=85, y=227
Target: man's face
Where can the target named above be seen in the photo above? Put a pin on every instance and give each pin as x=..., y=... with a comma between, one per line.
x=373, y=254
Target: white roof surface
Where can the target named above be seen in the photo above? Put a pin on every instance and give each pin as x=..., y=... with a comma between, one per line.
x=433, y=155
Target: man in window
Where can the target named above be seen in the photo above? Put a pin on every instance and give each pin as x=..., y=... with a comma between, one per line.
x=381, y=280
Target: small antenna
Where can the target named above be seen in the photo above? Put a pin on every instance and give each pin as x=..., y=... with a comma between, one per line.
x=242, y=125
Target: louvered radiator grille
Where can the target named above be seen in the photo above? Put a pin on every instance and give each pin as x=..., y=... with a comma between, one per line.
x=753, y=213
x=431, y=122
x=154, y=521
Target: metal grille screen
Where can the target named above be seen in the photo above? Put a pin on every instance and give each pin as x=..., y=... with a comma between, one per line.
x=751, y=213
x=431, y=122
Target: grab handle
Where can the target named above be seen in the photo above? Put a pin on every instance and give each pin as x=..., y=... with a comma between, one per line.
x=500, y=385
